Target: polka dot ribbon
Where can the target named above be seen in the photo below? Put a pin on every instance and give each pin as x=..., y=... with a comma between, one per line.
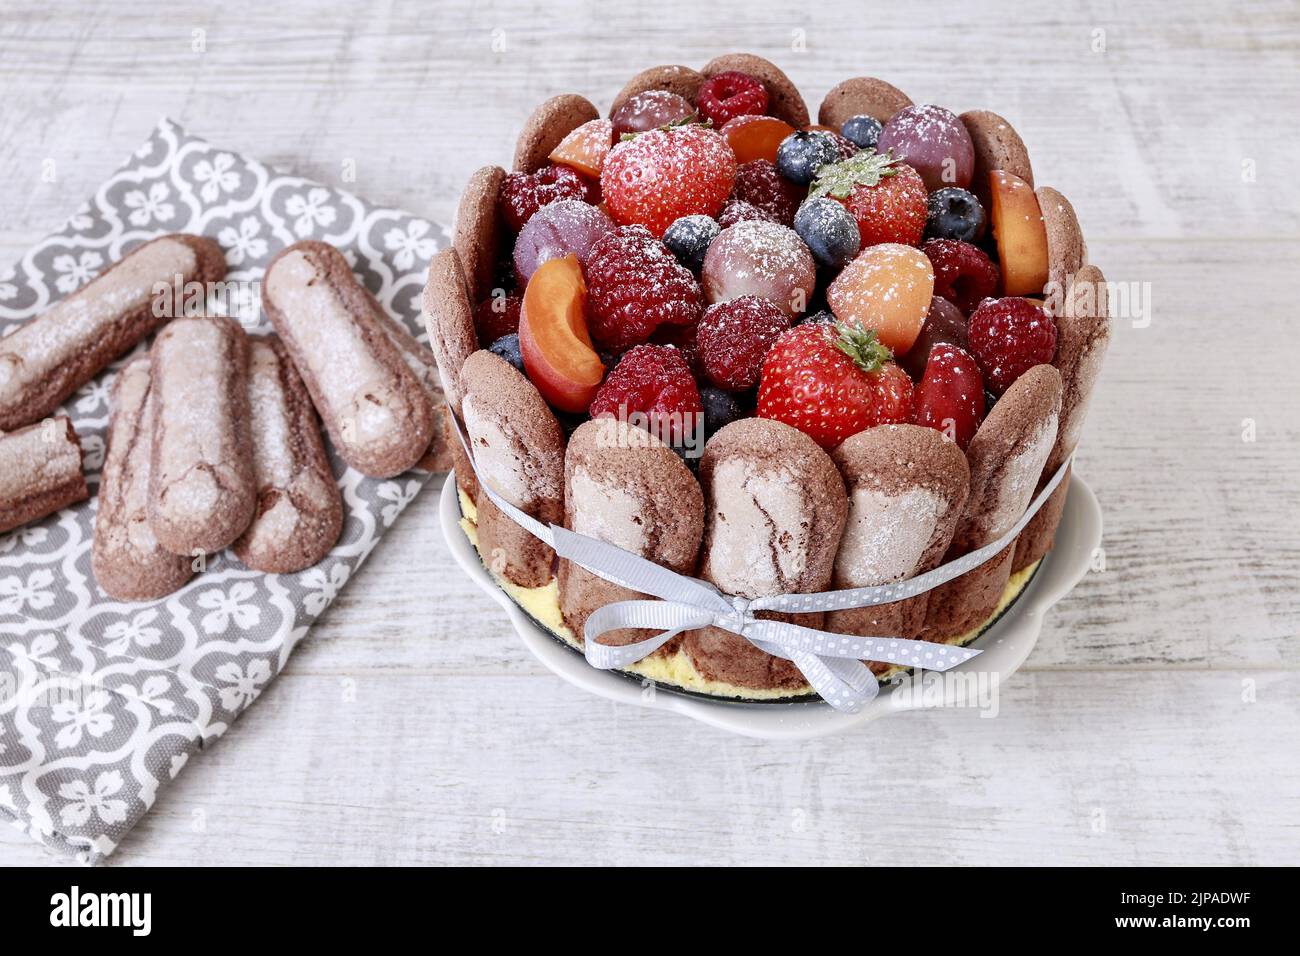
x=831, y=663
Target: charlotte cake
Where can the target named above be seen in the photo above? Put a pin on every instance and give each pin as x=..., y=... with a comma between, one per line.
x=883, y=338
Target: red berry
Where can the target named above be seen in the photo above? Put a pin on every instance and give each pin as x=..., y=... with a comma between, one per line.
x=950, y=396
x=655, y=178
x=886, y=197
x=832, y=381
x=963, y=274
x=635, y=285
x=1008, y=337
x=653, y=381
x=734, y=337
x=737, y=210
x=758, y=183
x=522, y=194
x=685, y=339
x=496, y=316
x=727, y=95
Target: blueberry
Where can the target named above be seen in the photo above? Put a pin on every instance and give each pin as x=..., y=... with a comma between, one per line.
x=721, y=408
x=508, y=348
x=954, y=213
x=829, y=231
x=688, y=239
x=862, y=131
x=801, y=154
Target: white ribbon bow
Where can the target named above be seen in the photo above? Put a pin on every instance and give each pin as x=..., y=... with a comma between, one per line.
x=831, y=663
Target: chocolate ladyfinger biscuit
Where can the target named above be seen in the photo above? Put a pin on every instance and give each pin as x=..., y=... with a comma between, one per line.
x=775, y=508
x=519, y=448
x=997, y=146
x=449, y=320
x=465, y=477
x=1082, y=335
x=128, y=562
x=1066, y=250
x=299, y=509
x=861, y=96
x=40, y=472
x=477, y=234
x=553, y=120
x=376, y=412
x=1006, y=457
x=61, y=349
x=201, y=489
x=625, y=487
x=907, y=488
x=681, y=80
x=783, y=98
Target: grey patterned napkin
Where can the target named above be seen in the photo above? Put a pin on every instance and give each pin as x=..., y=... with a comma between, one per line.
x=102, y=703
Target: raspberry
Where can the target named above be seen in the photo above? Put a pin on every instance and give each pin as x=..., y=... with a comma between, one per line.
x=1009, y=337
x=635, y=285
x=522, y=194
x=652, y=380
x=657, y=177
x=727, y=95
x=685, y=339
x=758, y=183
x=737, y=210
x=496, y=316
x=963, y=274
x=846, y=146
x=734, y=338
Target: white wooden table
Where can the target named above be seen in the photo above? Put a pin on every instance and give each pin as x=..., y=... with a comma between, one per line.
x=1158, y=719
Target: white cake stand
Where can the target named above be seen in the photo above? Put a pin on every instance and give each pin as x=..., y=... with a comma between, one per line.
x=1006, y=644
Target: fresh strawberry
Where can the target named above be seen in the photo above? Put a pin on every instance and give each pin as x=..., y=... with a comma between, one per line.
x=1008, y=337
x=758, y=183
x=950, y=397
x=635, y=285
x=831, y=381
x=496, y=316
x=727, y=95
x=657, y=177
x=652, y=381
x=886, y=197
x=963, y=274
x=734, y=337
x=522, y=194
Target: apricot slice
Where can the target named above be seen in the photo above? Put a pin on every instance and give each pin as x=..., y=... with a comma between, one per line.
x=586, y=147
x=1019, y=232
x=887, y=288
x=755, y=137
x=553, y=337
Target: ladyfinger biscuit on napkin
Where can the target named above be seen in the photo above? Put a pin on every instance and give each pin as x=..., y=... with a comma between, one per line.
x=519, y=449
x=54, y=354
x=128, y=562
x=1006, y=456
x=553, y=120
x=681, y=80
x=449, y=320
x=376, y=412
x=861, y=96
x=784, y=100
x=775, y=508
x=625, y=487
x=907, y=487
x=40, y=472
x=1082, y=335
x=477, y=234
x=299, y=509
x=201, y=489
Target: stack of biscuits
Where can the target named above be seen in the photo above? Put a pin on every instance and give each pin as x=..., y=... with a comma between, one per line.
x=767, y=511
x=214, y=439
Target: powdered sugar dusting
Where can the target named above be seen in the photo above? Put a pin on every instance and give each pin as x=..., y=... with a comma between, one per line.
x=886, y=535
x=759, y=539
x=607, y=512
